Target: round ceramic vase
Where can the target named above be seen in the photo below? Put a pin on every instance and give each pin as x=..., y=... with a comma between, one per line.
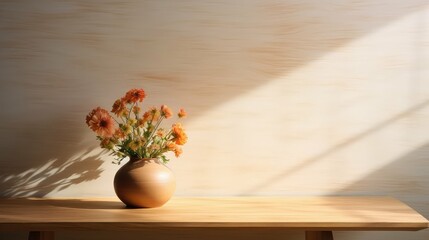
x=144, y=183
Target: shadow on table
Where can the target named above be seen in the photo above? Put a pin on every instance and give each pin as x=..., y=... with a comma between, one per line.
x=94, y=203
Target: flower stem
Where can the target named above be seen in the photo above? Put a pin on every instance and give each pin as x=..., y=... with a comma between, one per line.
x=131, y=109
x=154, y=130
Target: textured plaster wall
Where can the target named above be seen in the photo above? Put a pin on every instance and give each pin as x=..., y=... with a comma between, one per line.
x=285, y=97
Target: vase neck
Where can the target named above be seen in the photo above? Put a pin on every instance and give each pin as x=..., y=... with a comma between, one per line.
x=134, y=159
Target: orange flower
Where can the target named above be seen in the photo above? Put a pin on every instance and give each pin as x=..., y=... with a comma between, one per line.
x=135, y=144
x=106, y=143
x=140, y=122
x=182, y=113
x=101, y=122
x=146, y=116
x=119, y=134
x=136, y=110
x=170, y=145
x=154, y=147
x=155, y=114
x=119, y=108
x=131, y=121
x=179, y=135
x=152, y=114
x=134, y=95
x=176, y=149
x=160, y=132
x=127, y=129
x=166, y=111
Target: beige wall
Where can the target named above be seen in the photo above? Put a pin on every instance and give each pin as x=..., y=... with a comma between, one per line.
x=285, y=97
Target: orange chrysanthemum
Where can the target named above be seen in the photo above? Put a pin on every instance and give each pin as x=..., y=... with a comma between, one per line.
x=146, y=116
x=106, y=143
x=136, y=110
x=119, y=108
x=134, y=95
x=160, y=132
x=119, y=134
x=151, y=115
x=140, y=122
x=176, y=149
x=166, y=111
x=179, y=135
x=155, y=114
x=100, y=121
x=182, y=113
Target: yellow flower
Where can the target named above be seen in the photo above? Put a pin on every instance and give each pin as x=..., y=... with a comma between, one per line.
x=154, y=147
x=131, y=122
x=155, y=114
x=135, y=144
x=127, y=129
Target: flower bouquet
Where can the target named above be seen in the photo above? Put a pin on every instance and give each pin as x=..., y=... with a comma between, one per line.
x=135, y=135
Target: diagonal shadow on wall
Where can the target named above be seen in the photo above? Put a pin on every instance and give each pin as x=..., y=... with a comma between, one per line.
x=312, y=160
x=218, y=55
x=40, y=161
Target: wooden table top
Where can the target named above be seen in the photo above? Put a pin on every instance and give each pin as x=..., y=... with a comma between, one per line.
x=306, y=213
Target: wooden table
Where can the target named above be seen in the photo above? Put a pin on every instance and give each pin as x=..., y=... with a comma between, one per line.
x=317, y=216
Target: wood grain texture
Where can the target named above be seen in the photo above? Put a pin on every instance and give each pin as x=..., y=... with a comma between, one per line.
x=307, y=213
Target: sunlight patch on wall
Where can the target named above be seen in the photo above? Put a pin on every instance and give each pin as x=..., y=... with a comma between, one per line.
x=320, y=127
